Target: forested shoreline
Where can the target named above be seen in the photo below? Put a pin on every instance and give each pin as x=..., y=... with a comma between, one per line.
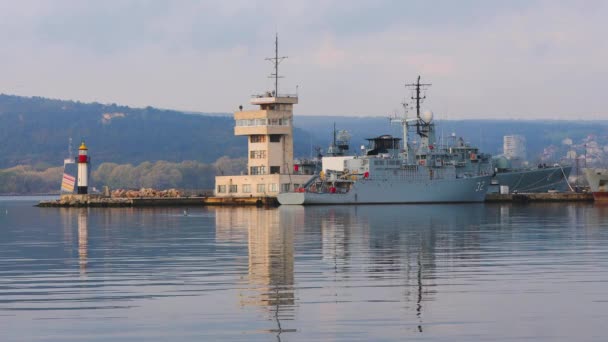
x=25, y=179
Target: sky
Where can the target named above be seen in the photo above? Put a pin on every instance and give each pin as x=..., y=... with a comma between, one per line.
x=484, y=59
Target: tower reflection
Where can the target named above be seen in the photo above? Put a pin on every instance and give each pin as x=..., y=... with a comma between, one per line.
x=270, y=246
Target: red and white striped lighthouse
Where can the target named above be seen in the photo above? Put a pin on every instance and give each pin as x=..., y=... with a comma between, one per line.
x=83, y=169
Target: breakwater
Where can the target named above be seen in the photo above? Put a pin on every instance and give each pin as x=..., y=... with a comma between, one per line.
x=541, y=197
x=117, y=202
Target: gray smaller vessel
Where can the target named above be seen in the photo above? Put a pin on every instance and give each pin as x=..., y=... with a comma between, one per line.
x=543, y=178
x=598, y=183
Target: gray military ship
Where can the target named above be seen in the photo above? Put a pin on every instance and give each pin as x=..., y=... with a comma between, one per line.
x=543, y=178
x=394, y=170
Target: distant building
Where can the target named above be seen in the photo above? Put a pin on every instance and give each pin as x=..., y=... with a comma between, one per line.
x=514, y=147
x=571, y=154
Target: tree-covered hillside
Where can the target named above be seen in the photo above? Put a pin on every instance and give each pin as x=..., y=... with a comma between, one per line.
x=153, y=147
x=35, y=131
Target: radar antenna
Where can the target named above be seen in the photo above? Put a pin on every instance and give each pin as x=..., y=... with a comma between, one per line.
x=417, y=88
x=276, y=60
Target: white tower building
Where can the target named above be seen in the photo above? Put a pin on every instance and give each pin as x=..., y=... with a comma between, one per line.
x=269, y=132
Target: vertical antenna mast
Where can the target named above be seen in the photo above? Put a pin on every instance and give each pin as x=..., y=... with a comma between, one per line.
x=404, y=125
x=276, y=60
x=70, y=155
x=417, y=87
x=334, y=134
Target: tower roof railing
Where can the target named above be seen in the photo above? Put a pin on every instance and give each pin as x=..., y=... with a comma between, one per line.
x=271, y=94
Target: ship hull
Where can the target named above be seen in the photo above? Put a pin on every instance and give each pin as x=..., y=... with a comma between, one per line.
x=536, y=180
x=598, y=183
x=376, y=192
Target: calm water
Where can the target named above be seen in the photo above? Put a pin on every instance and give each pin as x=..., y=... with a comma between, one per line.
x=382, y=273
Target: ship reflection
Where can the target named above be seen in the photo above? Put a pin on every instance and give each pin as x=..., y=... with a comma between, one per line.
x=382, y=244
x=270, y=244
x=392, y=243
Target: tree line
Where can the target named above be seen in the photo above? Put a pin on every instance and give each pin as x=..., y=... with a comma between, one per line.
x=158, y=175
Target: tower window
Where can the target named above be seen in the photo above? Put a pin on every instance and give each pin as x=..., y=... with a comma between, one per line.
x=257, y=138
x=279, y=122
x=275, y=138
x=257, y=154
x=275, y=169
x=257, y=170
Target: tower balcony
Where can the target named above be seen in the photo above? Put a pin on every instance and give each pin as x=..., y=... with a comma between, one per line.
x=262, y=130
x=263, y=122
x=269, y=98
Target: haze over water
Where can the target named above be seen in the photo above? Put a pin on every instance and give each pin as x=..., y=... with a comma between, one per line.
x=340, y=273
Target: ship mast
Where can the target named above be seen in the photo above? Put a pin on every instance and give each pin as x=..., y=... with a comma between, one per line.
x=404, y=125
x=70, y=158
x=276, y=60
x=417, y=88
x=406, y=145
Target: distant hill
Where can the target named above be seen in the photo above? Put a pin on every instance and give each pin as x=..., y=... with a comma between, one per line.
x=35, y=130
x=487, y=134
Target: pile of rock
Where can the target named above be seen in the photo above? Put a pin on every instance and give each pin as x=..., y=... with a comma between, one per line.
x=90, y=200
x=146, y=192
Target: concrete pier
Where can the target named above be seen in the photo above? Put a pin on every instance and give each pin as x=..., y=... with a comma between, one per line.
x=541, y=197
x=114, y=202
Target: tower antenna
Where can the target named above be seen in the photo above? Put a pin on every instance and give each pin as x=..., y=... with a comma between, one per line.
x=70, y=153
x=276, y=60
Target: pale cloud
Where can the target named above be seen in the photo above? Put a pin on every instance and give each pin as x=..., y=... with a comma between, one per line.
x=328, y=54
x=525, y=59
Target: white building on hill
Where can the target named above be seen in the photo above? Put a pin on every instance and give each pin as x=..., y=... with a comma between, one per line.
x=514, y=147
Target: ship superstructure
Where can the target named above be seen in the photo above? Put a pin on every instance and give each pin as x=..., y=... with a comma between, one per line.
x=393, y=170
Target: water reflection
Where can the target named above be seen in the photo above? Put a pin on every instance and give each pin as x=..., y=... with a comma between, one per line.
x=270, y=245
x=83, y=233
x=387, y=247
x=449, y=272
